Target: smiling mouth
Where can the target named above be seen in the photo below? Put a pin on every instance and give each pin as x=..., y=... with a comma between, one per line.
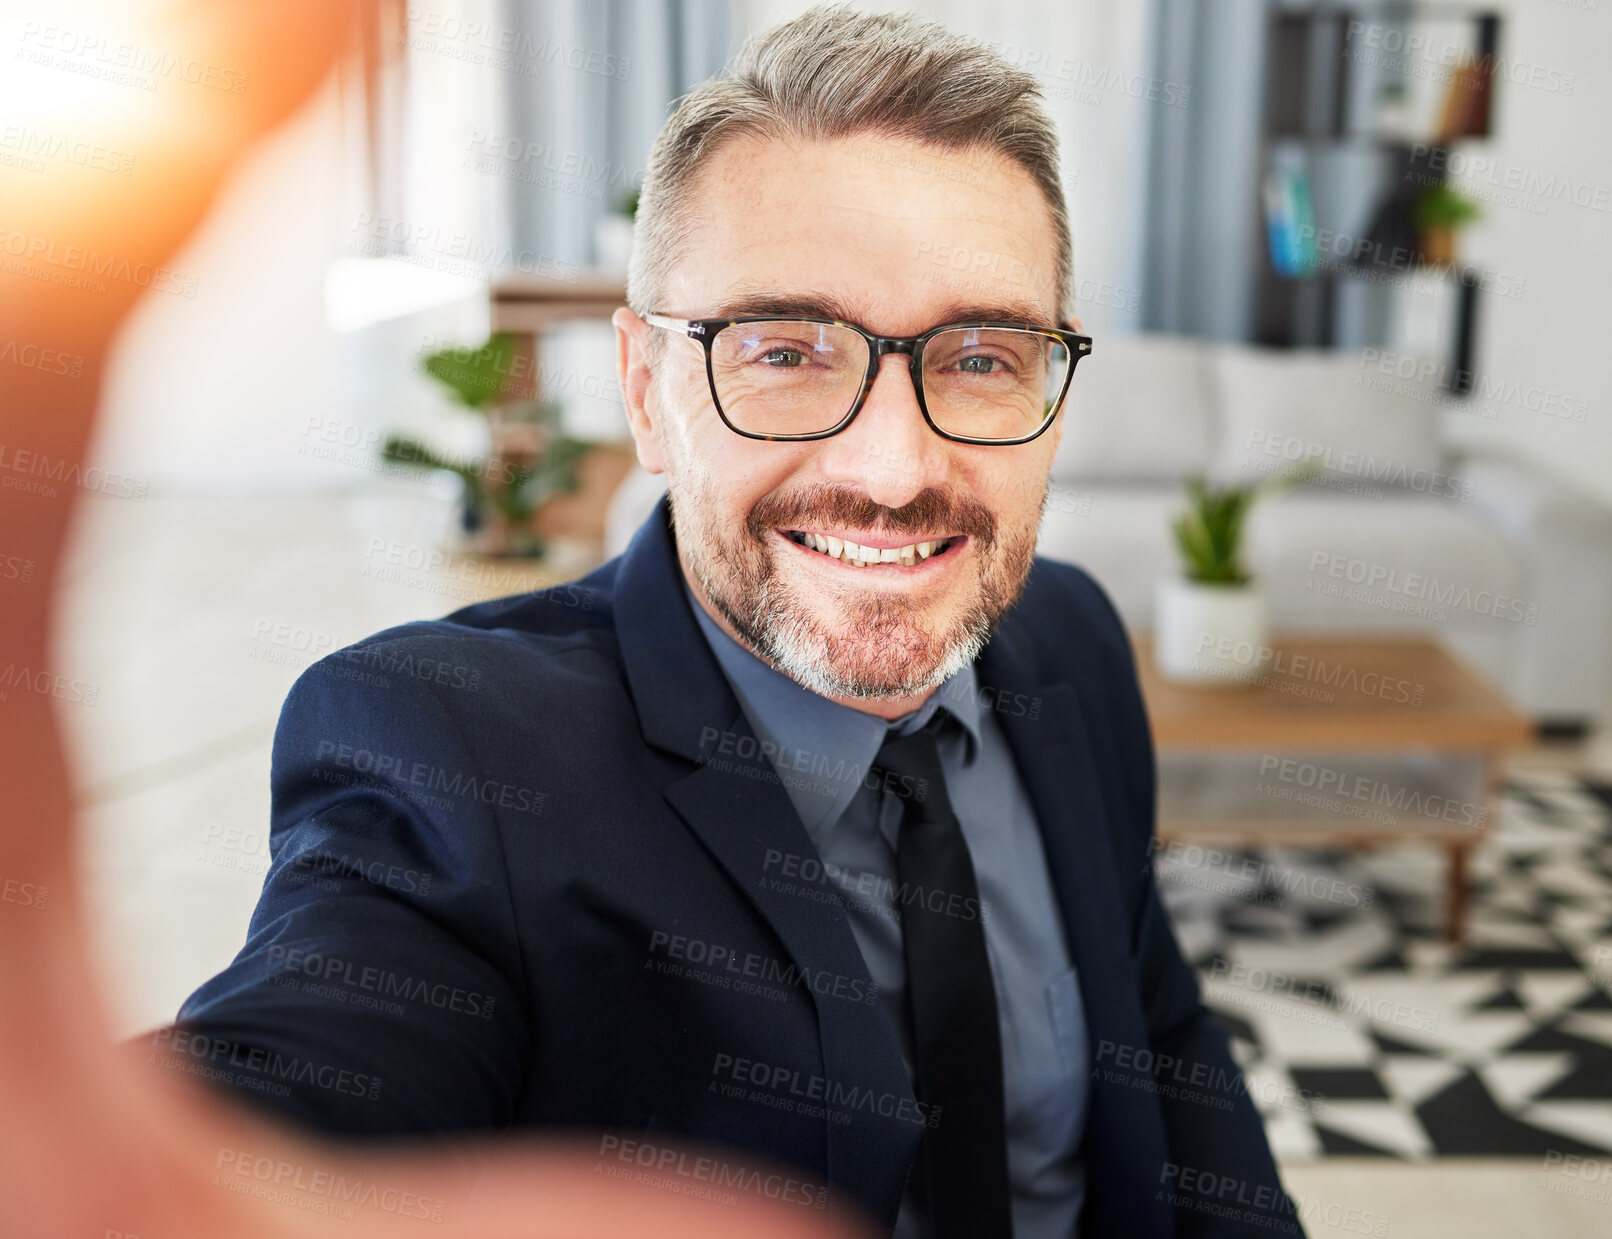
x=858, y=556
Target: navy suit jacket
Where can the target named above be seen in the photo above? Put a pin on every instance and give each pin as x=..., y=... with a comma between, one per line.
x=488, y=830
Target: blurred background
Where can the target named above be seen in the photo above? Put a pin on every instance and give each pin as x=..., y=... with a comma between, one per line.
x=1345, y=262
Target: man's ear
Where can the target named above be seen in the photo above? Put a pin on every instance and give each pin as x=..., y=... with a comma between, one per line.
x=637, y=387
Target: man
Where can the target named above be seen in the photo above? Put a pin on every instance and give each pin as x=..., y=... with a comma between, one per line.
x=816, y=825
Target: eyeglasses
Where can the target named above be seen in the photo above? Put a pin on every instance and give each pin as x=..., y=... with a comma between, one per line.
x=793, y=379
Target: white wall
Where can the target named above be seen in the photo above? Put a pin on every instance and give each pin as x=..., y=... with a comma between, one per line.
x=205, y=393
x=226, y=392
x=1556, y=339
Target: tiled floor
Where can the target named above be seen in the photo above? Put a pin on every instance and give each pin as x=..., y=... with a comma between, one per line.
x=1364, y=1032
x=190, y=618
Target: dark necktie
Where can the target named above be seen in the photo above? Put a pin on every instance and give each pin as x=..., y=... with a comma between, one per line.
x=957, y=1041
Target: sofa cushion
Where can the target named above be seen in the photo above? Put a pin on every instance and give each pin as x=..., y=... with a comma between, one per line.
x=1329, y=562
x=1403, y=562
x=1274, y=407
x=1137, y=411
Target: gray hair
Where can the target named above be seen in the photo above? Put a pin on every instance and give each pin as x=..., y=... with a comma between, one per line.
x=831, y=73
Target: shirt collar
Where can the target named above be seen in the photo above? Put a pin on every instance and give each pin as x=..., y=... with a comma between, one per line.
x=821, y=746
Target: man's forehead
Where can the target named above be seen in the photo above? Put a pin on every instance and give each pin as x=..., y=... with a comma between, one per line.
x=852, y=227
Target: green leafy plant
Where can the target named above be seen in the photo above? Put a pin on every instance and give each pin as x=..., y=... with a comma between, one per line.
x=1442, y=207
x=512, y=488
x=475, y=377
x=628, y=205
x=1209, y=534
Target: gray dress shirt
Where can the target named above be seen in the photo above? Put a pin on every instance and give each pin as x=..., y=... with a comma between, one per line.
x=1044, y=1042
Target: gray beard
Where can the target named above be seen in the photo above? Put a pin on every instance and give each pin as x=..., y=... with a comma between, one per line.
x=891, y=656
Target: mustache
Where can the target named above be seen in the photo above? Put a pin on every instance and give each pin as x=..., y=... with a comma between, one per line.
x=931, y=510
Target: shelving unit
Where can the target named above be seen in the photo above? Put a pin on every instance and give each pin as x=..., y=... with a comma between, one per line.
x=1361, y=105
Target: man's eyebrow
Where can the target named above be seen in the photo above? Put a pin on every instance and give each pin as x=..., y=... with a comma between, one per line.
x=802, y=304
x=996, y=311
x=741, y=304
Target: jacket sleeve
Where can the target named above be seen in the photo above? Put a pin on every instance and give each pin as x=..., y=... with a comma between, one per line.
x=379, y=988
x=1221, y=1177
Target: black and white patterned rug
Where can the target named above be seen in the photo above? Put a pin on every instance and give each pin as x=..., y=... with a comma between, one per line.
x=1363, y=1033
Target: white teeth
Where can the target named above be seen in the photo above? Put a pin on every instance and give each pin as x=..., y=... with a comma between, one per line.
x=867, y=556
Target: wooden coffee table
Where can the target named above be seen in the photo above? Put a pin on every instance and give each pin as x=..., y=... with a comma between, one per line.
x=1320, y=702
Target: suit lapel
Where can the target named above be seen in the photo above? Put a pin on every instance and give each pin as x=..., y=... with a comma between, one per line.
x=1055, y=759
x=685, y=704
x=741, y=820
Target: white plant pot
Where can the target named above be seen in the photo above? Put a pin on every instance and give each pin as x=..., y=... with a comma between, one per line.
x=1210, y=634
x=612, y=243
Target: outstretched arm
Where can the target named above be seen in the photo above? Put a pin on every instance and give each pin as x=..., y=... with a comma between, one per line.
x=379, y=990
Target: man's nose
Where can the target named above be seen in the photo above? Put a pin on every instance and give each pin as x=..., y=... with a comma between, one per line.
x=888, y=452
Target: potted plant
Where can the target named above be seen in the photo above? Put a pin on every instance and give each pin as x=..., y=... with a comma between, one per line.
x=1212, y=623
x=528, y=462
x=1438, y=213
